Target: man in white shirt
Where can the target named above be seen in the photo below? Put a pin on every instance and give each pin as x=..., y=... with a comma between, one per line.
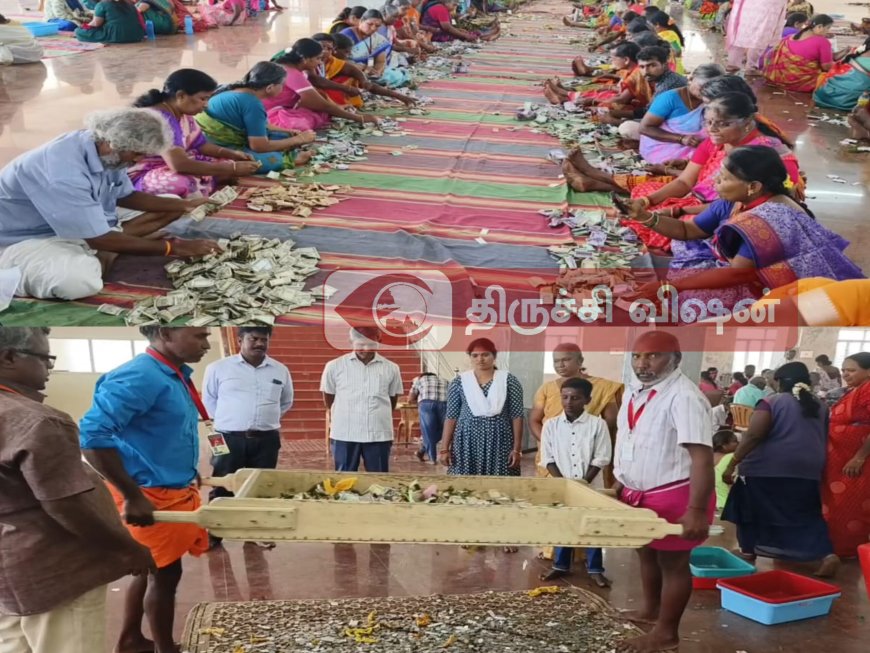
x=361, y=390
x=576, y=445
x=664, y=462
x=246, y=396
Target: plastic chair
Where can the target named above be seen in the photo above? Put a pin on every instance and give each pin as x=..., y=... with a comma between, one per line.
x=741, y=415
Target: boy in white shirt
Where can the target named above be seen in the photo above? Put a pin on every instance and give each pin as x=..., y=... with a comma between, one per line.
x=576, y=445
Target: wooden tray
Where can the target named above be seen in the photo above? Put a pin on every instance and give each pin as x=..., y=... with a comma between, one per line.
x=586, y=518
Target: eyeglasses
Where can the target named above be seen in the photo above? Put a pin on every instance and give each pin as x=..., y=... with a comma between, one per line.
x=48, y=359
x=722, y=124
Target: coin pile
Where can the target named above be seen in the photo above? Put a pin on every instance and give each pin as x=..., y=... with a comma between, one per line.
x=404, y=493
x=252, y=281
x=299, y=199
x=549, y=619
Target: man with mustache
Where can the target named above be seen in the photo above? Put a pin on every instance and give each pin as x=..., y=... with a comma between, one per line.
x=142, y=436
x=68, y=208
x=664, y=462
x=246, y=395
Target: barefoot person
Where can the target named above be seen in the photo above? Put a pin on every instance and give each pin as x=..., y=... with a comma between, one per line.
x=664, y=462
x=62, y=541
x=141, y=435
x=68, y=208
x=576, y=445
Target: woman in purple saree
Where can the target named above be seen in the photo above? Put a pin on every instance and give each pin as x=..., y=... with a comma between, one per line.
x=755, y=237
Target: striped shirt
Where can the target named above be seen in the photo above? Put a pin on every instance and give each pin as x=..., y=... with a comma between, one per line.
x=430, y=388
x=654, y=453
x=362, y=410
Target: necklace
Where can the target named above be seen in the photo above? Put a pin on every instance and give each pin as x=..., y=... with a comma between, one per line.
x=690, y=100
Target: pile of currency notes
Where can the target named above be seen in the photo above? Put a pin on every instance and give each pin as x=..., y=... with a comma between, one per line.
x=300, y=199
x=252, y=281
x=217, y=201
x=412, y=492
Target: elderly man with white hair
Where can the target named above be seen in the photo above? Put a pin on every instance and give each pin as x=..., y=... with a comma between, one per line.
x=68, y=208
x=361, y=389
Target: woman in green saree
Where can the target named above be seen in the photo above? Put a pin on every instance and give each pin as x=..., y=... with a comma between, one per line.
x=236, y=118
x=161, y=13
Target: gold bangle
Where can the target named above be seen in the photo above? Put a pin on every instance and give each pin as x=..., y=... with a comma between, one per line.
x=644, y=202
x=168, y=251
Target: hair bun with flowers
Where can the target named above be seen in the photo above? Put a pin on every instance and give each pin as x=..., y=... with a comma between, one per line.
x=796, y=389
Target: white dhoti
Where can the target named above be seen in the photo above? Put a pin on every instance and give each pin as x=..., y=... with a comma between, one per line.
x=58, y=268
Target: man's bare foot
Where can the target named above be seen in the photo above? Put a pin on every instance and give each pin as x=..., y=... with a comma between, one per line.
x=857, y=129
x=554, y=574
x=302, y=158
x=551, y=94
x=138, y=644
x=749, y=557
x=583, y=183
x=600, y=580
x=580, y=68
x=642, y=617
x=652, y=642
x=829, y=567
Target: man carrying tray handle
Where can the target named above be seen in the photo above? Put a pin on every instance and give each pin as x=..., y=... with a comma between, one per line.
x=141, y=434
x=664, y=462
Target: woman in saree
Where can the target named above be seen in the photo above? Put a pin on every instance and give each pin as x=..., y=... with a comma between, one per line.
x=755, y=236
x=846, y=485
x=731, y=121
x=299, y=106
x=374, y=52
x=343, y=82
x=797, y=62
x=192, y=167
x=436, y=17
x=629, y=87
x=348, y=17
x=794, y=23
x=668, y=31
x=848, y=81
x=114, y=21
x=161, y=13
x=236, y=118
x=673, y=126
x=224, y=13
x=70, y=13
x=816, y=301
x=403, y=49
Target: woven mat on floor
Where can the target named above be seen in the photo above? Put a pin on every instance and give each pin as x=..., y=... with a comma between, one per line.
x=570, y=621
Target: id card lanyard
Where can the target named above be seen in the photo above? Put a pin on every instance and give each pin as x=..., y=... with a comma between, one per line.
x=633, y=419
x=215, y=440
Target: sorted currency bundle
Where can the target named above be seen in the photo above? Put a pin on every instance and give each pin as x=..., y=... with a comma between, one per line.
x=252, y=281
x=217, y=201
x=604, y=242
x=300, y=199
x=404, y=493
x=344, y=147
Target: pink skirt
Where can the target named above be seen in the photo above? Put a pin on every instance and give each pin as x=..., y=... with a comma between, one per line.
x=298, y=119
x=670, y=503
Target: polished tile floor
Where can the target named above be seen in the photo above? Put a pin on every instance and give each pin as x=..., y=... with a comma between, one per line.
x=241, y=572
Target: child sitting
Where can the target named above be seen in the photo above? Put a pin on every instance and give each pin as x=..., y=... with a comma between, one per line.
x=576, y=445
x=724, y=445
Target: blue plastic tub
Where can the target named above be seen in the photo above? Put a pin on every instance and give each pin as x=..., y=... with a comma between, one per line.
x=777, y=597
x=716, y=562
x=42, y=29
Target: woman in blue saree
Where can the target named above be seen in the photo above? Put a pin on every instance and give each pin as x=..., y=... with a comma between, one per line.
x=754, y=237
x=374, y=51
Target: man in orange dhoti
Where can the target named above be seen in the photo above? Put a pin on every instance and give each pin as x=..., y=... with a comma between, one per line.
x=141, y=434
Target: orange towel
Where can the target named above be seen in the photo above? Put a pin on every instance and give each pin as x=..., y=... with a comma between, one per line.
x=168, y=542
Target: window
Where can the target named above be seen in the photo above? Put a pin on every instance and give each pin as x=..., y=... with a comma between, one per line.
x=756, y=346
x=851, y=341
x=93, y=356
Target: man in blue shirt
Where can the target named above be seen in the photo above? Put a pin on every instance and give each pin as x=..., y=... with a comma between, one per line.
x=68, y=208
x=141, y=434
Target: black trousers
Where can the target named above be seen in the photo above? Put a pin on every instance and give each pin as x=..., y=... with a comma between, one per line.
x=257, y=449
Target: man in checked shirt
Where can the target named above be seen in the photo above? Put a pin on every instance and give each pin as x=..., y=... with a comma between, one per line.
x=430, y=392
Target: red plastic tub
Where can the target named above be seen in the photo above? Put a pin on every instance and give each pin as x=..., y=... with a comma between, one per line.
x=779, y=587
x=699, y=583
x=864, y=557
